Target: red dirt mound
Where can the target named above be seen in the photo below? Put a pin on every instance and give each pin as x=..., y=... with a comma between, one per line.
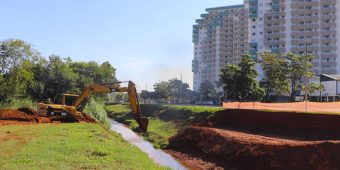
x=24, y=115
x=290, y=124
x=16, y=115
x=238, y=150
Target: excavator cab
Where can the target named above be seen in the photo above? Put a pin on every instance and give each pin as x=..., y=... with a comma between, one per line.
x=66, y=99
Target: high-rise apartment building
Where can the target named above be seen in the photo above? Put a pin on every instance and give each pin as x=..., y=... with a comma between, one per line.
x=224, y=34
x=220, y=37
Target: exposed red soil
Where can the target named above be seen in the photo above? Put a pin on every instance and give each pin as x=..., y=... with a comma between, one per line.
x=15, y=115
x=29, y=116
x=193, y=161
x=245, y=139
x=290, y=124
x=14, y=122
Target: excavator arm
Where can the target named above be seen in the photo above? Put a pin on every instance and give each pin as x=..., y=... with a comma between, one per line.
x=114, y=87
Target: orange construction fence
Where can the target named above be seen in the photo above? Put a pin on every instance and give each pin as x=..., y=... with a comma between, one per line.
x=321, y=107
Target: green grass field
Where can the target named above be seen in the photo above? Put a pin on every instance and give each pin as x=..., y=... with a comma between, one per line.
x=165, y=120
x=68, y=146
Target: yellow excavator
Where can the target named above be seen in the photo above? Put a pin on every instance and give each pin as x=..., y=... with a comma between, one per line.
x=70, y=106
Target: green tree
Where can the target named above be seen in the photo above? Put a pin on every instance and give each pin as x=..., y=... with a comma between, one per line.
x=105, y=73
x=61, y=73
x=17, y=59
x=177, y=89
x=207, y=91
x=300, y=73
x=14, y=52
x=276, y=75
x=239, y=82
x=24, y=72
x=162, y=90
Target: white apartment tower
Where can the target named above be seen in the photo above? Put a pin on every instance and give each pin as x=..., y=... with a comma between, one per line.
x=220, y=37
x=279, y=26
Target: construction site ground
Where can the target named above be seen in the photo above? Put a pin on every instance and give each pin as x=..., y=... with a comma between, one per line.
x=225, y=139
x=246, y=139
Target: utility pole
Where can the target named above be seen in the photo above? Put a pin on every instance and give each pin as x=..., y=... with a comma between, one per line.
x=180, y=88
x=306, y=73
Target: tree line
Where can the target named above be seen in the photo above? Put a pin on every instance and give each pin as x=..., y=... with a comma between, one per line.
x=282, y=75
x=171, y=91
x=24, y=72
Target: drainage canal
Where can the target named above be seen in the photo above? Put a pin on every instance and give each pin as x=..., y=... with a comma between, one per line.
x=158, y=156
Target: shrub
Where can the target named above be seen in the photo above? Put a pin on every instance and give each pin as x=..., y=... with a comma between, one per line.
x=95, y=109
x=17, y=103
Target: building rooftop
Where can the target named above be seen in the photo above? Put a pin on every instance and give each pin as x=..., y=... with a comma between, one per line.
x=330, y=77
x=224, y=7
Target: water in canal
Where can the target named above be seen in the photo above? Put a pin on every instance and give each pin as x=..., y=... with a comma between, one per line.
x=159, y=156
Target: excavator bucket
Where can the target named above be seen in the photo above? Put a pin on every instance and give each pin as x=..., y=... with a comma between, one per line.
x=143, y=123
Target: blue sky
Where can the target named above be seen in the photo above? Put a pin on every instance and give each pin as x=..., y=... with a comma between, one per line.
x=146, y=41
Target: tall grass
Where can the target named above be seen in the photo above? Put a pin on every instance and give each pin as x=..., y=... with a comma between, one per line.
x=17, y=103
x=95, y=109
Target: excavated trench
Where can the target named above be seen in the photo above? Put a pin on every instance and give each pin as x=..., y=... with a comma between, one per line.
x=246, y=139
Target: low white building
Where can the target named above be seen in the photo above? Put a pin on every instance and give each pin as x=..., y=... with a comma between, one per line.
x=332, y=88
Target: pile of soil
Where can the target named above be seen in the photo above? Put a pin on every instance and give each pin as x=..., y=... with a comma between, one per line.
x=223, y=149
x=248, y=139
x=28, y=115
x=15, y=115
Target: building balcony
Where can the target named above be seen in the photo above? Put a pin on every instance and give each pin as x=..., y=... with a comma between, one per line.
x=328, y=17
x=305, y=26
x=274, y=28
x=304, y=19
x=328, y=48
x=253, y=2
x=274, y=35
x=304, y=12
x=328, y=33
x=304, y=33
x=328, y=2
x=253, y=14
x=274, y=42
x=298, y=5
x=328, y=64
x=296, y=42
x=328, y=56
x=275, y=21
x=303, y=48
x=328, y=25
x=328, y=40
x=328, y=9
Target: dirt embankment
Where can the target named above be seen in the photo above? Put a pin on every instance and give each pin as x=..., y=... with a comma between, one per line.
x=28, y=116
x=15, y=115
x=290, y=124
x=245, y=139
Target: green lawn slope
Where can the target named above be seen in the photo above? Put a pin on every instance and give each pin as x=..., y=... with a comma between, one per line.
x=68, y=146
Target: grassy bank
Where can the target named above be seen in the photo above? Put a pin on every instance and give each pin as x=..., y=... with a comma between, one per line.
x=165, y=120
x=67, y=146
